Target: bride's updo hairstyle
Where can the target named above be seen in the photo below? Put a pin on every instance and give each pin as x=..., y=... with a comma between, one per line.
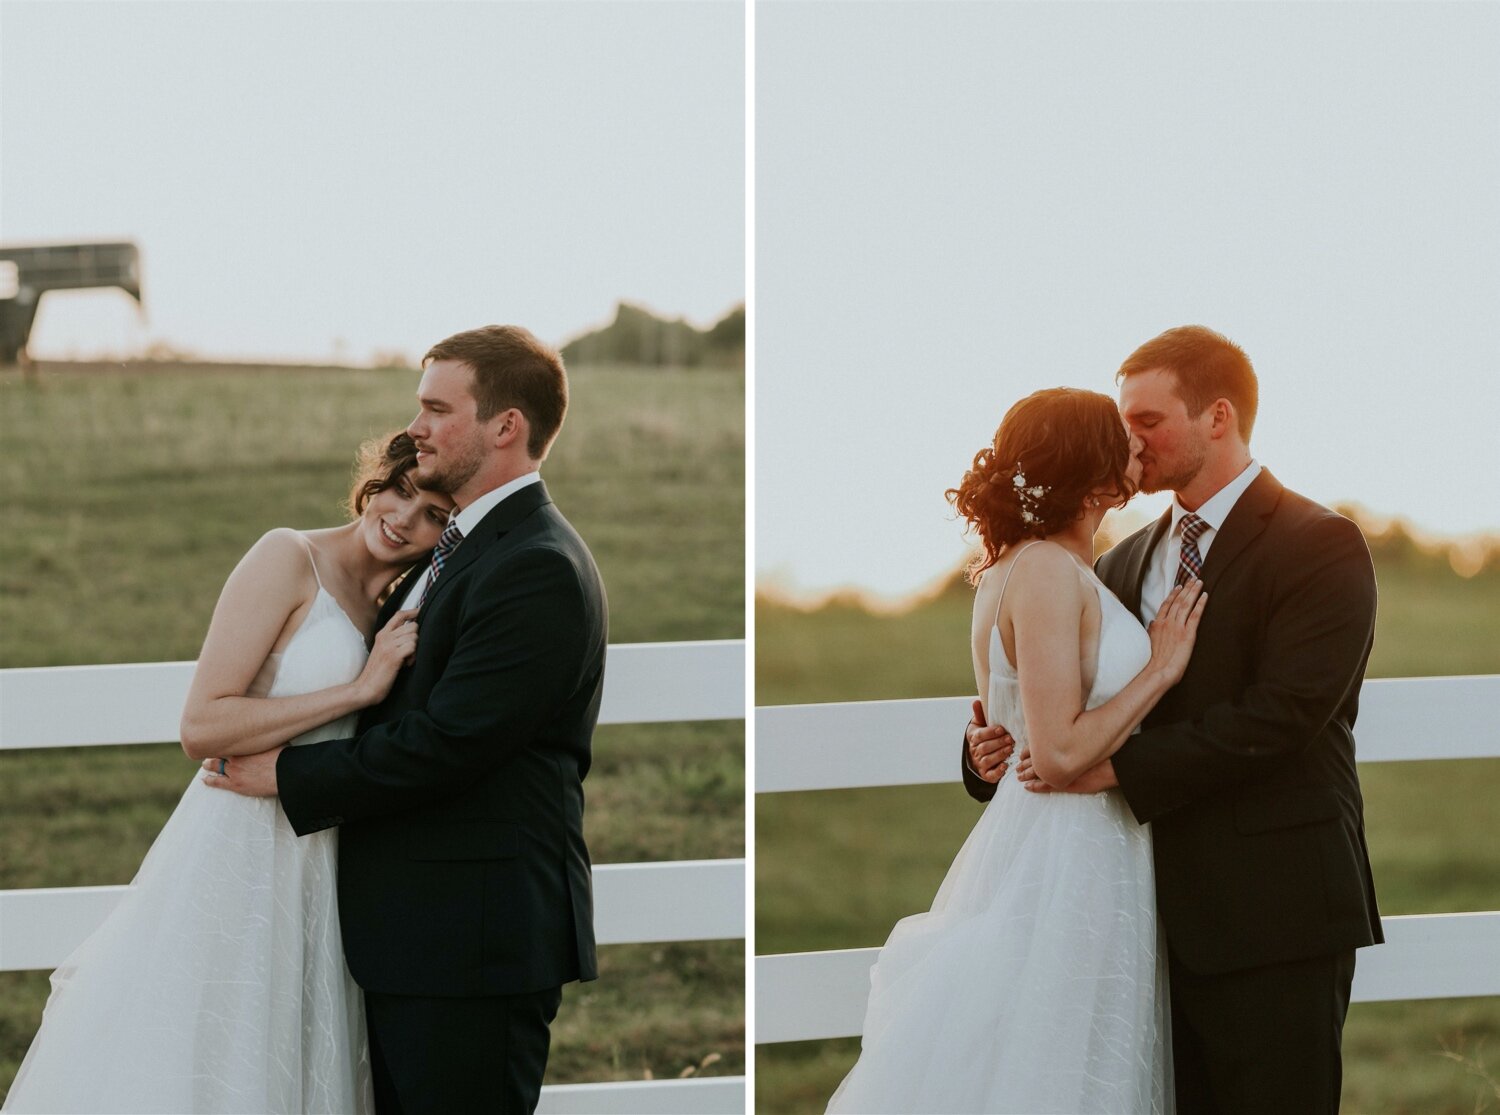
x=381, y=463
x=1053, y=448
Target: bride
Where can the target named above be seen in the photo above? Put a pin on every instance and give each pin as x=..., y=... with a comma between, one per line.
x=1035, y=982
x=218, y=983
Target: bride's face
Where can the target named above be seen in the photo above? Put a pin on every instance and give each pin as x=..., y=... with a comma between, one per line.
x=1134, y=469
x=1114, y=499
x=403, y=522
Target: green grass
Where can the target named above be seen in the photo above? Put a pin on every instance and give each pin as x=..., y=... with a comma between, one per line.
x=836, y=869
x=130, y=496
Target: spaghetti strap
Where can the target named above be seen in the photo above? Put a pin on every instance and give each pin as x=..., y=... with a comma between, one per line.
x=306, y=545
x=1001, y=599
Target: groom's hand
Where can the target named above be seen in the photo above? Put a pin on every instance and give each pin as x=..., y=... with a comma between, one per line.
x=1095, y=780
x=253, y=776
x=989, y=748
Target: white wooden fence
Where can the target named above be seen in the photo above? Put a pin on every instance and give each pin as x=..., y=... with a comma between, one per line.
x=692, y=900
x=802, y=996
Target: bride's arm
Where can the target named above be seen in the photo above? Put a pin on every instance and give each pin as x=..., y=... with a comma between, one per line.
x=1046, y=617
x=267, y=587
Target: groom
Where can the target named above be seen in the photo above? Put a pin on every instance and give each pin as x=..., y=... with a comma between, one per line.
x=464, y=883
x=1245, y=770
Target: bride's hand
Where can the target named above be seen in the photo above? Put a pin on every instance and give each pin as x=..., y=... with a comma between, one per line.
x=395, y=647
x=1175, y=628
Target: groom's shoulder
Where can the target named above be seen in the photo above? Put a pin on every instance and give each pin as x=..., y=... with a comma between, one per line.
x=1297, y=510
x=552, y=525
x=1304, y=527
x=547, y=537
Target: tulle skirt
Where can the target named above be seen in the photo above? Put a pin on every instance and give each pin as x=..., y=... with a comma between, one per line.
x=218, y=984
x=1037, y=981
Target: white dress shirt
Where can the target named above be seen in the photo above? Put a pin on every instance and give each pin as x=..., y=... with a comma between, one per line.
x=1161, y=574
x=467, y=520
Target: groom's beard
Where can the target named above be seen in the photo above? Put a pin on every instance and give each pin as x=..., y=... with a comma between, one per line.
x=449, y=477
x=1154, y=478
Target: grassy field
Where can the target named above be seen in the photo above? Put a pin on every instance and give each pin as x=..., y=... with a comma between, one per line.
x=836, y=869
x=131, y=494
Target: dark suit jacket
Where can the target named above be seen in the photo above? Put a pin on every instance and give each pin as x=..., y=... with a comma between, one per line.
x=462, y=866
x=1245, y=769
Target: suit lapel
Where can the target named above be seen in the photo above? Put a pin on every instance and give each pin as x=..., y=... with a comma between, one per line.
x=397, y=594
x=501, y=519
x=1246, y=520
x=1140, y=560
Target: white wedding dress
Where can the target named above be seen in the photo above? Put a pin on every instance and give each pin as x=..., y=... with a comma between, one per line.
x=218, y=983
x=1037, y=981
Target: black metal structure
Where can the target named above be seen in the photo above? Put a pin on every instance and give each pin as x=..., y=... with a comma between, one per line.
x=29, y=271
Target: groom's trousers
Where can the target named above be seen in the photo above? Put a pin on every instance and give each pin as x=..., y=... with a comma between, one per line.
x=1261, y=1040
x=436, y=1056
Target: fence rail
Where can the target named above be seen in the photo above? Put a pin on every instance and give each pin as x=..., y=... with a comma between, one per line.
x=917, y=742
x=634, y=903
x=808, y=995
x=690, y=900
x=646, y=1097
x=141, y=702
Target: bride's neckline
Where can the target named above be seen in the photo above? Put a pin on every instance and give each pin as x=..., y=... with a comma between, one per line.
x=340, y=609
x=301, y=627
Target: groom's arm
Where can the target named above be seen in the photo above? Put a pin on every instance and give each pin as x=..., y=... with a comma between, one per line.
x=1319, y=630
x=520, y=653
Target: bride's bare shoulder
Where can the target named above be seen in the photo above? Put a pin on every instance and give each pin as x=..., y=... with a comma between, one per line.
x=280, y=547
x=1036, y=569
x=275, y=571
x=1039, y=559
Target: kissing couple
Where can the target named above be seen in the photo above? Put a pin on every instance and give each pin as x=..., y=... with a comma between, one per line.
x=382, y=912
x=1158, y=909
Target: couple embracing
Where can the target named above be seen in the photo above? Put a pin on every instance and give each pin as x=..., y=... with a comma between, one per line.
x=1158, y=909
x=380, y=916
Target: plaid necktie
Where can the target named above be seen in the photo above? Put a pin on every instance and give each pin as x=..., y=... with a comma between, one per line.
x=447, y=542
x=1190, y=561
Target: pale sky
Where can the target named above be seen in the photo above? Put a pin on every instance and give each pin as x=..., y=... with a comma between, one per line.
x=958, y=204
x=319, y=180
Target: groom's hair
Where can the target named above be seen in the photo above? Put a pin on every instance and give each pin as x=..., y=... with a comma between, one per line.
x=512, y=368
x=1208, y=366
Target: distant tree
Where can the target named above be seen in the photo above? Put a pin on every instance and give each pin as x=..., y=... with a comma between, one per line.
x=727, y=336
x=637, y=336
x=388, y=358
x=1394, y=546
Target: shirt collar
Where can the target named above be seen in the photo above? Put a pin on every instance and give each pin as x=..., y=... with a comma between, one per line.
x=1217, y=507
x=469, y=517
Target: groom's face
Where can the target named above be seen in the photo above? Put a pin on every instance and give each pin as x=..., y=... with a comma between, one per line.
x=1174, y=445
x=452, y=443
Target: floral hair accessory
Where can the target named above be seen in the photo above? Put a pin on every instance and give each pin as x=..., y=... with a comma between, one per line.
x=1028, y=496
